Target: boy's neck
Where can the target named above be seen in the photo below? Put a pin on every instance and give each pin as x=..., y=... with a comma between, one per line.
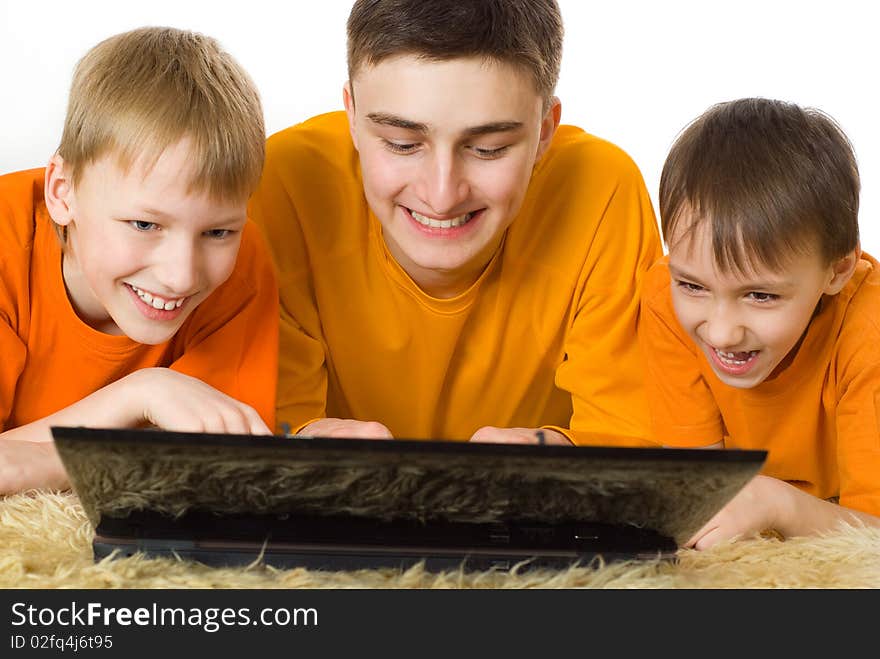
x=445, y=284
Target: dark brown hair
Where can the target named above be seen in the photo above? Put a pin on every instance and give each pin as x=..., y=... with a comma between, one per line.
x=524, y=33
x=772, y=179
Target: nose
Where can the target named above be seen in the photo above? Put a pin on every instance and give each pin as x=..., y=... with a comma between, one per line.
x=178, y=266
x=444, y=186
x=723, y=327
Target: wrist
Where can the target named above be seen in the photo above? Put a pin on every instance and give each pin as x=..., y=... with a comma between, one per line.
x=785, y=509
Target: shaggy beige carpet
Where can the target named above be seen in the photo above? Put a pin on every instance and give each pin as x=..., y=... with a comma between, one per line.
x=45, y=542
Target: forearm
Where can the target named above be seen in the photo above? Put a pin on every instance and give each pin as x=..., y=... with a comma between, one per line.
x=28, y=459
x=802, y=514
x=112, y=406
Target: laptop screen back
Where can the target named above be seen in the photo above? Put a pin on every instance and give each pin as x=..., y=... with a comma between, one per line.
x=400, y=483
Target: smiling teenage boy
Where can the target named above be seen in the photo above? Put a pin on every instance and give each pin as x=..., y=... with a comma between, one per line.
x=452, y=263
x=760, y=330
x=132, y=289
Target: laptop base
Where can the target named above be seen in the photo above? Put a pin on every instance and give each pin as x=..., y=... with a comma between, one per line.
x=352, y=543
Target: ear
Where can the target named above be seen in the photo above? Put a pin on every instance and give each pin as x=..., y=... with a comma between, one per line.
x=549, y=124
x=348, y=102
x=841, y=271
x=58, y=192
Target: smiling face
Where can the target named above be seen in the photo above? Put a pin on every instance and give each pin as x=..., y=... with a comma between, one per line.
x=747, y=323
x=143, y=251
x=447, y=150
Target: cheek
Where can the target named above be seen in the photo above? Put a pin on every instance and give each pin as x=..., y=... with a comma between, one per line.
x=507, y=194
x=219, y=264
x=503, y=184
x=687, y=312
x=383, y=177
x=105, y=255
x=782, y=330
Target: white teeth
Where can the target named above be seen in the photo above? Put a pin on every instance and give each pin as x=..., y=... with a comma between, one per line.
x=441, y=224
x=157, y=302
x=730, y=357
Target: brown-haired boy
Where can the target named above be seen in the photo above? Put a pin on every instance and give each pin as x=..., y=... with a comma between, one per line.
x=761, y=329
x=451, y=265
x=132, y=289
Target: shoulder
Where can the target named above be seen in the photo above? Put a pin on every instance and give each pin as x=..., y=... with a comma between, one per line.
x=849, y=323
x=311, y=168
x=655, y=292
x=656, y=281
x=21, y=194
x=575, y=153
x=860, y=299
x=323, y=138
x=585, y=181
x=254, y=261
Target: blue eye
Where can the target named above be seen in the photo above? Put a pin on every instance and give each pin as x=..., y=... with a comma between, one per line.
x=143, y=225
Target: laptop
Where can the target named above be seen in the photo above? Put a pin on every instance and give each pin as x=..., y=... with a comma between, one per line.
x=344, y=504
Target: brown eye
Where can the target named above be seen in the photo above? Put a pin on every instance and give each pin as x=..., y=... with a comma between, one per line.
x=218, y=233
x=403, y=149
x=758, y=296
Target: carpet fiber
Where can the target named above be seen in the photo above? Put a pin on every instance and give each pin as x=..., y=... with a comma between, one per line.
x=45, y=542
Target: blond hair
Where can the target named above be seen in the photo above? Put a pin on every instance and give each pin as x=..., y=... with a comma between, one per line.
x=140, y=92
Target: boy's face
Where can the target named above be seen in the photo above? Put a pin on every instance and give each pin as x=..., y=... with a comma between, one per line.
x=142, y=250
x=446, y=151
x=746, y=324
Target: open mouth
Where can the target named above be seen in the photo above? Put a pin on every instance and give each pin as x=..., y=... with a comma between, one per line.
x=158, y=303
x=735, y=362
x=434, y=223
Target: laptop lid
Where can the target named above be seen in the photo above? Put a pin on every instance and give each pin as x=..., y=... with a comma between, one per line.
x=350, y=503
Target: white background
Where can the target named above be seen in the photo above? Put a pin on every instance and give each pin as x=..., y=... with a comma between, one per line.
x=633, y=72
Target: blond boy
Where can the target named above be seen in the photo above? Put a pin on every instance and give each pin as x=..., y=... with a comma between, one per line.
x=133, y=291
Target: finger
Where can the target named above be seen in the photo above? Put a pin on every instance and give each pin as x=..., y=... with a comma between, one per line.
x=486, y=434
x=255, y=423
x=371, y=430
x=242, y=419
x=555, y=438
x=712, y=538
x=706, y=528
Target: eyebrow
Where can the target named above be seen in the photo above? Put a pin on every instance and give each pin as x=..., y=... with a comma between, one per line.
x=386, y=119
x=676, y=273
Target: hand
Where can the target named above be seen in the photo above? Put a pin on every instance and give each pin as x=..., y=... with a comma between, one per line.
x=755, y=508
x=347, y=428
x=26, y=465
x=493, y=435
x=174, y=401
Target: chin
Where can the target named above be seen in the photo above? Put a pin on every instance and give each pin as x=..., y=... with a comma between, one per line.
x=742, y=382
x=148, y=335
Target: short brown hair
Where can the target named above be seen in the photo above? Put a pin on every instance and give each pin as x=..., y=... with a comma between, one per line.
x=139, y=92
x=772, y=179
x=524, y=33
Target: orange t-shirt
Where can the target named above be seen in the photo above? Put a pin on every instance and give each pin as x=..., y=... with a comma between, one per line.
x=545, y=337
x=818, y=418
x=52, y=359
